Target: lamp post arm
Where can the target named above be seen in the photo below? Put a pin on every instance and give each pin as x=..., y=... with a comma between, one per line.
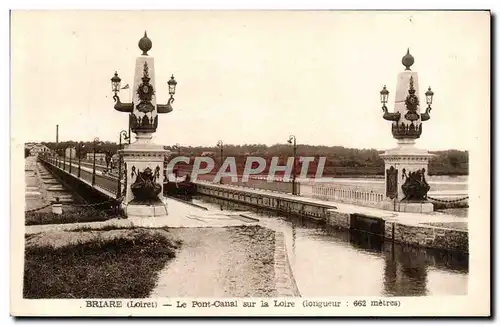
x=165, y=108
x=395, y=116
x=426, y=116
x=122, y=107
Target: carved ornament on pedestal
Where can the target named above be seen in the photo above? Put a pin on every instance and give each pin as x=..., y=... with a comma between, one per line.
x=392, y=183
x=415, y=187
x=145, y=186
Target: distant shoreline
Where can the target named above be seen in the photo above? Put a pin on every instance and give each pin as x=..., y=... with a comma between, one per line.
x=381, y=176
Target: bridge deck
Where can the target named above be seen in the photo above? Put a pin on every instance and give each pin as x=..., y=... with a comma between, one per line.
x=106, y=185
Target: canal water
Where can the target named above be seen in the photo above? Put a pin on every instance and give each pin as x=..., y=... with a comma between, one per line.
x=329, y=262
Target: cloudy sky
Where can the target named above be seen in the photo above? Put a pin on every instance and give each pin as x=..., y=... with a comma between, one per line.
x=250, y=77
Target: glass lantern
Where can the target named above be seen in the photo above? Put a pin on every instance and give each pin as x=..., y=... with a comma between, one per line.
x=428, y=96
x=384, y=95
x=171, y=85
x=115, y=83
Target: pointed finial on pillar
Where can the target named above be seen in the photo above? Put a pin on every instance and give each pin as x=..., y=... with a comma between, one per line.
x=408, y=60
x=145, y=44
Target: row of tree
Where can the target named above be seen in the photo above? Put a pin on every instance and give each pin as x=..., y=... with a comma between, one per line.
x=339, y=160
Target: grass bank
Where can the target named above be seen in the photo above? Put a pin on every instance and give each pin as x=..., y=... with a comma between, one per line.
x=99, y=264
x=81, y=215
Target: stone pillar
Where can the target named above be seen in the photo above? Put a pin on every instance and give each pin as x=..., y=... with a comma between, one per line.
x=399, y=162
x=143, y=159
x=406, y=167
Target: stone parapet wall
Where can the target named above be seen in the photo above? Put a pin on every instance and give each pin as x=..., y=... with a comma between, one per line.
x=271, y=201
x=418, y=235
x=283, y=275
x=338, y=219
x=428, y=236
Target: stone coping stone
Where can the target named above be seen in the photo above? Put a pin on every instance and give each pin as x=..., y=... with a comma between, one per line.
x=50, y=182
x=55, y=188
x=283, y=276
x=460, y=226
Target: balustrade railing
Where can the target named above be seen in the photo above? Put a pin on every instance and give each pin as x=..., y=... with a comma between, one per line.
x=346, y=195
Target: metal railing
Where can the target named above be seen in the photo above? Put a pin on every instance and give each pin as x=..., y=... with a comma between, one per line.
x=108, y=183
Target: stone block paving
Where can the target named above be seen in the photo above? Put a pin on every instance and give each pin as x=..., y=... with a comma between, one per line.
x=35, y=193
x=214, y=262
x=179, y=215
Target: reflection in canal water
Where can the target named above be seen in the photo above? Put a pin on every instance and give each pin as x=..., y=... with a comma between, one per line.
x=331, y=262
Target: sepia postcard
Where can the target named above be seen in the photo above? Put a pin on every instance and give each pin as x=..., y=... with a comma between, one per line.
x=250, y=163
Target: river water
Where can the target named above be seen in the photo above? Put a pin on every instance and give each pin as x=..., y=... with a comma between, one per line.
x=329, y=262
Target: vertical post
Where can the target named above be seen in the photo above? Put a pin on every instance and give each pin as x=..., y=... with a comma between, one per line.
x=294, y=191
x=93, y=164
x=79, y=158
x=294, y=160
x=64, y=160
x=118, y=192
x=221, y=159
x=129, y=134
x=221, y=145
x=93, y=169
x=70, y=152
x=57, y=135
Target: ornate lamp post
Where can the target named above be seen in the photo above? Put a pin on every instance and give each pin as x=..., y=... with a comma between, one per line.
x=220, y=144
x=96, y=142
x=144, y=157
x=123, y=135
x=293, y=140
x=406, y=163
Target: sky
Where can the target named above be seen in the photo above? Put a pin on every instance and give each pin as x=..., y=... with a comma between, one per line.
x=251, y=77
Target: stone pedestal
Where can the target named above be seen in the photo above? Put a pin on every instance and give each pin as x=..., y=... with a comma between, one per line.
x=137, y=157
x=57, y=208
x=399, y=163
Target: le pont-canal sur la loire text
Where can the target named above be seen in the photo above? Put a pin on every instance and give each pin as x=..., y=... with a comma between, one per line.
x=241, y=303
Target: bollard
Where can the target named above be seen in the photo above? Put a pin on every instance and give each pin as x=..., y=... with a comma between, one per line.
x=57, y=207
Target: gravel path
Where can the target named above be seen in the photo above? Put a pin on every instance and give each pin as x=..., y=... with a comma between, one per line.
x=220, y=262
